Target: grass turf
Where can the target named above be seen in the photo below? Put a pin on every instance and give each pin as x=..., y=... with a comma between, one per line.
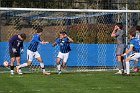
x=95, y=82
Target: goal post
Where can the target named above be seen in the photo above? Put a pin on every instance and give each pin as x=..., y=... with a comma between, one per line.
x=93, y=47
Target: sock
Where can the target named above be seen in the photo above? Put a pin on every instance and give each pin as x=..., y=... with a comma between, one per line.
x=12, y=67
x=124, y=67
x=58, y=67
x=42, y=66
x=23, y=65
x=127, y=68
x=120, y=65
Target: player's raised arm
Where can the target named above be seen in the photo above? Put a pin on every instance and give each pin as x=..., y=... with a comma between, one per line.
x=113, y=34
x=70, y=39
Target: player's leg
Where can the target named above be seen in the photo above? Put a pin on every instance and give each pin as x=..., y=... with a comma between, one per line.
x=131, y=57
x=30, y=56
x=18, y=64
x=58, y=62
x=12, y=65
x=38, y=57
x=119, y=52
x=66, y=56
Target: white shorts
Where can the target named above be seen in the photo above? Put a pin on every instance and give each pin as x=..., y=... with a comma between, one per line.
x=135, y=56
x=63, y=56
x=31, y=55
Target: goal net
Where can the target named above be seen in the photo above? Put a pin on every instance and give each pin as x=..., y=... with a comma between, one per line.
x=93, y=47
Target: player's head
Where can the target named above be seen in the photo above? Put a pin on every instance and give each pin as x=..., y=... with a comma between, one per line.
x=22, y=36
x=119, y=25
x=138, y=28
x=132, y=34
x=62, y=35
x=39, y=31
x=65, y=33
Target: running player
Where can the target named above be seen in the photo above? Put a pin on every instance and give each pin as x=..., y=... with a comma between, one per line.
x=135, y=47
x=119, y=33
x=15, y=48
x=33, y=52
x=64, y=42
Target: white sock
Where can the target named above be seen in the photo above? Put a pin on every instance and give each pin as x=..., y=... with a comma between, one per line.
x=42, y=66
x=58, y=67
x=23, y=65
x=127, y=68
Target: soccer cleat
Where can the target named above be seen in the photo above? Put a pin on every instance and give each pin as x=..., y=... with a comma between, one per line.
x=12, y=73
x=118, y=73
x=46, y=73
x=127, y=74
x=59, y=72
x=20, y=73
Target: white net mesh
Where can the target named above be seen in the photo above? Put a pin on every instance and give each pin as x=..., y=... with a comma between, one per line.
x=93, y=48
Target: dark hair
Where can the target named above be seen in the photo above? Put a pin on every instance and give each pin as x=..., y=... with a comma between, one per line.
x=120, y=25
x=23, y=35
x=39, y=30
x=138, y=28
x=63, y=33
x=132, y=33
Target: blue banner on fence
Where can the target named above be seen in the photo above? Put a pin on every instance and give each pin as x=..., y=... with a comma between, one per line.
x=81, y=54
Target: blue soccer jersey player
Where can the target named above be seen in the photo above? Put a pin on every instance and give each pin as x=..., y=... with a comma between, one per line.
x=33, y=52
x=135, y=47
x=64, y=43
x=15, y=48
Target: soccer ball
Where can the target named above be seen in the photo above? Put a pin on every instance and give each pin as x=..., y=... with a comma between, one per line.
x=5, y=63
x=136, y=69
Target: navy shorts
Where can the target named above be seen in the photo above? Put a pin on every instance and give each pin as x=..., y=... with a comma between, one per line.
x=14, y=54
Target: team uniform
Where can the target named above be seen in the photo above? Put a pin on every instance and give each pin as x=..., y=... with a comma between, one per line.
x=32, y=49
x=136, y=48
x=64, y=48
x=120, y=36
x=15, y=44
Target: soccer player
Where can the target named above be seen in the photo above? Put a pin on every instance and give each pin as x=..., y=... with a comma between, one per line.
x=15, y=48
x=64, y=42
x=119, y=33
x=33, y=52
x=135, y=47
x=138, y=37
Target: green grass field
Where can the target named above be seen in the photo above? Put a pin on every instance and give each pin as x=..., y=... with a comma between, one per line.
x=93, y=82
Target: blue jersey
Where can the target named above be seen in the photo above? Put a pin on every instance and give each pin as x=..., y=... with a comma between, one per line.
x=16, y=43
x=34, y=43
x=64, y=45
x=136, y=44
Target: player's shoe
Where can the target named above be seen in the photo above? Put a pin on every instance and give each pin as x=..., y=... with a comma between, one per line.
x=127, y=74
x=46, y=73
x=20, y=73
x=118, y=73
x=59, y=72
x=12, y=73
